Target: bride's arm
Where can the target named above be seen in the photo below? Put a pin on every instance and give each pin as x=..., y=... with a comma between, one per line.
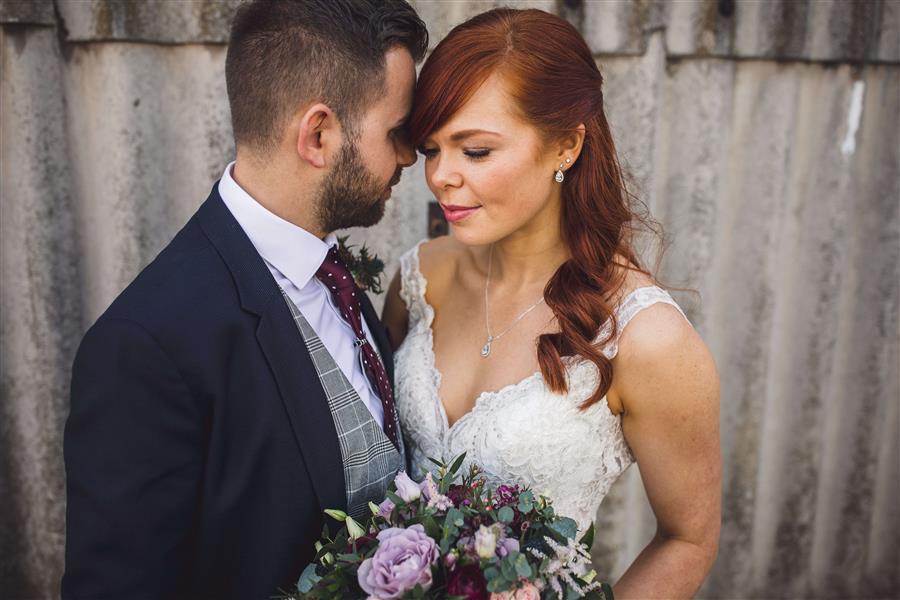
x=667, y=382
x=394, y=315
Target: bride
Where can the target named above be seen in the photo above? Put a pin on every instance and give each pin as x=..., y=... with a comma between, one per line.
x=532, y=338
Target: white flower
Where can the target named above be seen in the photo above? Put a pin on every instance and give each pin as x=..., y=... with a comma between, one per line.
x=565, y=564
x=354, y=529
x=406, y=487
x=485, y=542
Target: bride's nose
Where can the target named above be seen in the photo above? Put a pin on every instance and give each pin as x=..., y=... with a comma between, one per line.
x=443, y=174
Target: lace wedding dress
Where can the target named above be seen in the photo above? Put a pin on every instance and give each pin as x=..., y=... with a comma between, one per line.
x=523, y=433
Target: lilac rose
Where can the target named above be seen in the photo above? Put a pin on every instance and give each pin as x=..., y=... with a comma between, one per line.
x=406, y=487
x=386, y=508
x=402, y=561
x=506, y=546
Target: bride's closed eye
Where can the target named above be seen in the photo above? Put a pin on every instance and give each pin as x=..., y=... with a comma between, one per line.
x=471, y=153
x=477, y=153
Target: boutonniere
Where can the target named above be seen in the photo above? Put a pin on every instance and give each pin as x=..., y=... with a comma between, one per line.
x=366, y=268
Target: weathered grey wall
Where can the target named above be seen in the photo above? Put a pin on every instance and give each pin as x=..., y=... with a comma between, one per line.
x=765, y=136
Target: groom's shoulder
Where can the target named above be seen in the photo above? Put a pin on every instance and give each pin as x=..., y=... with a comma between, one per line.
x=185, y=282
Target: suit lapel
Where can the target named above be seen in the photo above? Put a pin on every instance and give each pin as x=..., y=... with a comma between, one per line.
x=298, y=383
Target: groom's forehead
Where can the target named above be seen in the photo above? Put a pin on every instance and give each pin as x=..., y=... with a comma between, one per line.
x=395, y=101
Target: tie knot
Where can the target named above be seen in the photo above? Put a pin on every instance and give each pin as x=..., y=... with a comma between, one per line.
x=334, y=272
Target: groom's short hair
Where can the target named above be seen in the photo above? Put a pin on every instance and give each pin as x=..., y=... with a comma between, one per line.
x=283, y=54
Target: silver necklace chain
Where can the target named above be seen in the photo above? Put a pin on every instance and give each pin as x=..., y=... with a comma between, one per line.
x=486, y=349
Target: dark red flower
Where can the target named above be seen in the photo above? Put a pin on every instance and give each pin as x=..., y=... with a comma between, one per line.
x=458, y=494
x=506, y=495
x=362, y=544
x=469, y=583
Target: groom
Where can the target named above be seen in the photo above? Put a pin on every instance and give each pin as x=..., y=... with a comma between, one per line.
x=242, y=383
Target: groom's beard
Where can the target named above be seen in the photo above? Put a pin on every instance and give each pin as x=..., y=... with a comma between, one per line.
x=351, y=195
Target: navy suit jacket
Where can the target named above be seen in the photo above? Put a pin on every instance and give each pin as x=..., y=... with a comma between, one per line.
x=200, y=451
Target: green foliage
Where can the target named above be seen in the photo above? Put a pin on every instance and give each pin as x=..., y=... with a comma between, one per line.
x=527, y=518
x=564, y=527
x=366, y=268
x=506, y=515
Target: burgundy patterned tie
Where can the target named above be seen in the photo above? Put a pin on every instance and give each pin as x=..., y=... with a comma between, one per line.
x=336, y=276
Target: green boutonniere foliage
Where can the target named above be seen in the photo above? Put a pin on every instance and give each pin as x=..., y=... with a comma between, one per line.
x=366, y=268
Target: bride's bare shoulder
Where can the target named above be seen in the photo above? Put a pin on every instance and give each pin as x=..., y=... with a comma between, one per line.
x=440, y=260
x=632, y=278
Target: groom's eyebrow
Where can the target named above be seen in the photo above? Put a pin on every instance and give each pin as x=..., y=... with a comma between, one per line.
x=461, y=135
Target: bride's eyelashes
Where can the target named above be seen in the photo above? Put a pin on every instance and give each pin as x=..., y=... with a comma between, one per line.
x=477, y=153
x=474, y=154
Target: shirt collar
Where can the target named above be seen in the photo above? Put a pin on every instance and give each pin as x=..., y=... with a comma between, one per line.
x=290, y=249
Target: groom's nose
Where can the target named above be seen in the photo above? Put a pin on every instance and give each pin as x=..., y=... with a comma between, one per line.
x=406, y=154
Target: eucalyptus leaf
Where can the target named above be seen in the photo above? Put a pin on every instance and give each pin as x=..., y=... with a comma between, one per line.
x=506, y=515
x=523, y=569
x=308, y=579
x=565, y=527
x=508, y=570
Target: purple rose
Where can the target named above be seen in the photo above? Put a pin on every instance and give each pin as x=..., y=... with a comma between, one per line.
x=406, y=487
x=402, y=561
x=386, y=508
x=507, y=545
x=469, y=583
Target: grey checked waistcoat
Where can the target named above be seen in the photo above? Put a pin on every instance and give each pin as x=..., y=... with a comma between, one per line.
x=370, y=459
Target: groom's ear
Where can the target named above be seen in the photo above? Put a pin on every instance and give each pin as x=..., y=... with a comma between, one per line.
x=318, y=134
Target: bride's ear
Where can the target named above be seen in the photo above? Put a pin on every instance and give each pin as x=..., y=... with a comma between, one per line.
x=318, y=135
x=570, y=146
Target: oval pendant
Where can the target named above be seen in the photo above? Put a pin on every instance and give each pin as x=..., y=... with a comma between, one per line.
x=486, y=349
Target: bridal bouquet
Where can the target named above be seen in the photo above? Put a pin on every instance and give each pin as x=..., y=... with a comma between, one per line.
x=452, y=537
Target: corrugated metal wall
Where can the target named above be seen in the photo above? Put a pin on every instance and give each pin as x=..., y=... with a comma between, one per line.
x=765, y=136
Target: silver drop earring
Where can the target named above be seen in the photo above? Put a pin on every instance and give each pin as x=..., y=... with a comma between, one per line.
x=560, y=176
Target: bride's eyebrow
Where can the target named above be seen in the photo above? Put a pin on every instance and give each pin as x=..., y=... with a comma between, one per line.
x=465, y=133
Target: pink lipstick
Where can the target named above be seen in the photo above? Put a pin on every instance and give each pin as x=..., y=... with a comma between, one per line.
x=455, y=214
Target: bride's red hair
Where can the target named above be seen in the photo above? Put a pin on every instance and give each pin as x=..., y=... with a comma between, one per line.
x=549, y=70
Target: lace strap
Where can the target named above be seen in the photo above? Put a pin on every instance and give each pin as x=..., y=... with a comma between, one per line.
x=631, y=305
x=413, y=284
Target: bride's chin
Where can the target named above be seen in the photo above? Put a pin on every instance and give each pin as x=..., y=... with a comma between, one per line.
x=471, y=236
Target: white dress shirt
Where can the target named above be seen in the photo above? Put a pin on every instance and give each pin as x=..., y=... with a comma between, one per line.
x=293, y=255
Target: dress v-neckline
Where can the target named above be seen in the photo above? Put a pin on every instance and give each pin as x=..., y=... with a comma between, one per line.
x=437, y=376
